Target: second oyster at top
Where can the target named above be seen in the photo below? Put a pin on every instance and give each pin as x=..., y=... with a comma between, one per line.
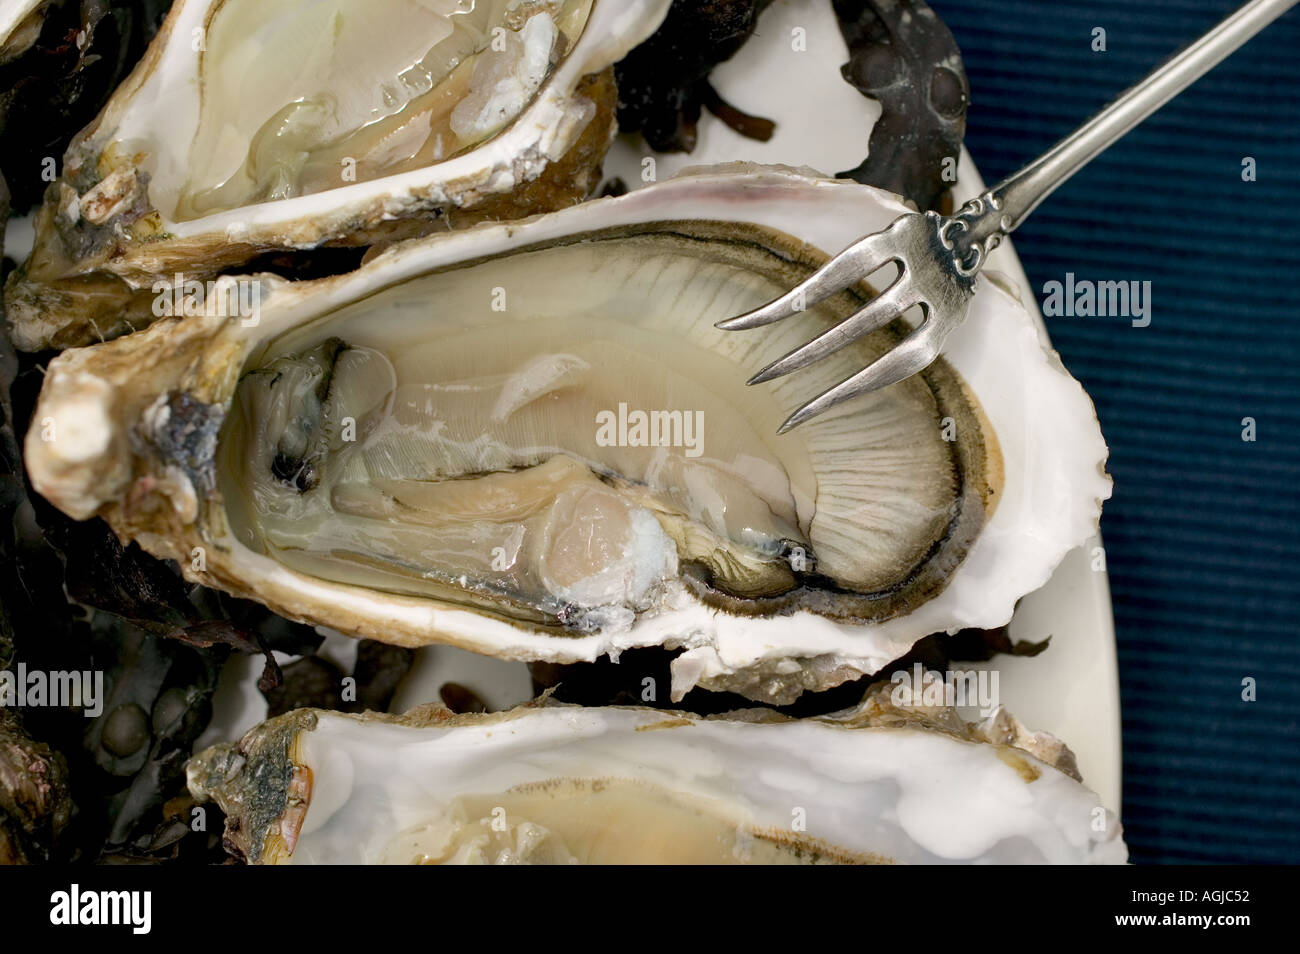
x=254, y=126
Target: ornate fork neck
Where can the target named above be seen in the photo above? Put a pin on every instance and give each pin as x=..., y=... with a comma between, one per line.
x=973, y=231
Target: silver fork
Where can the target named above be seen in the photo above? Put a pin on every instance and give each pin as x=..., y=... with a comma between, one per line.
x=939, y=257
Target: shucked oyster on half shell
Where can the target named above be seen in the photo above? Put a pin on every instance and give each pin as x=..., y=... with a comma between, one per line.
x=530, y=440
x=553, y=784
x=259, y=125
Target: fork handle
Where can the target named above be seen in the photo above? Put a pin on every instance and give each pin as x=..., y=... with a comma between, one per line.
x=981, y=224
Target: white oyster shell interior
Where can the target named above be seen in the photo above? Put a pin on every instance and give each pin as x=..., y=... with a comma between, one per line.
x=626, y=785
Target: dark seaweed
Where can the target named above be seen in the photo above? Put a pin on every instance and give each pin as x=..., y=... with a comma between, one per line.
x=664, y=82
x=902, y=54
x=315, y=682
x=641, y=677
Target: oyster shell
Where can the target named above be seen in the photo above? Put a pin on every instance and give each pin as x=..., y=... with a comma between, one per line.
x=20, y=26
x=372, y=122
x=882, y=783
x=474, y=502
x=35, y=801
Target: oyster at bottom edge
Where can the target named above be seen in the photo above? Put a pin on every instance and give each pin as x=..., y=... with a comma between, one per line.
x=552, y=784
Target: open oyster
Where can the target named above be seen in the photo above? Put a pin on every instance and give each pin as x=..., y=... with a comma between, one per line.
x=260, y=125
x=882, y=783
x=530, y=441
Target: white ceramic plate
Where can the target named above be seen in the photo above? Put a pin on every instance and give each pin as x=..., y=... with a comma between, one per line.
x=1071, y=689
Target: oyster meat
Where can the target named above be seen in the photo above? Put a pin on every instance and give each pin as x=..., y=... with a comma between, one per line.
x=529, y=440
x=371, y=121
x=552, y=784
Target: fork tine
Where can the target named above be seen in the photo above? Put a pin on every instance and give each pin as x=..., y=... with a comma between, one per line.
x=914, y=353
x=881, y=310
x=848, y=267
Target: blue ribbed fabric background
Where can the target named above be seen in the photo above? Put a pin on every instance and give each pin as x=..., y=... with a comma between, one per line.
x=1202, y=536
